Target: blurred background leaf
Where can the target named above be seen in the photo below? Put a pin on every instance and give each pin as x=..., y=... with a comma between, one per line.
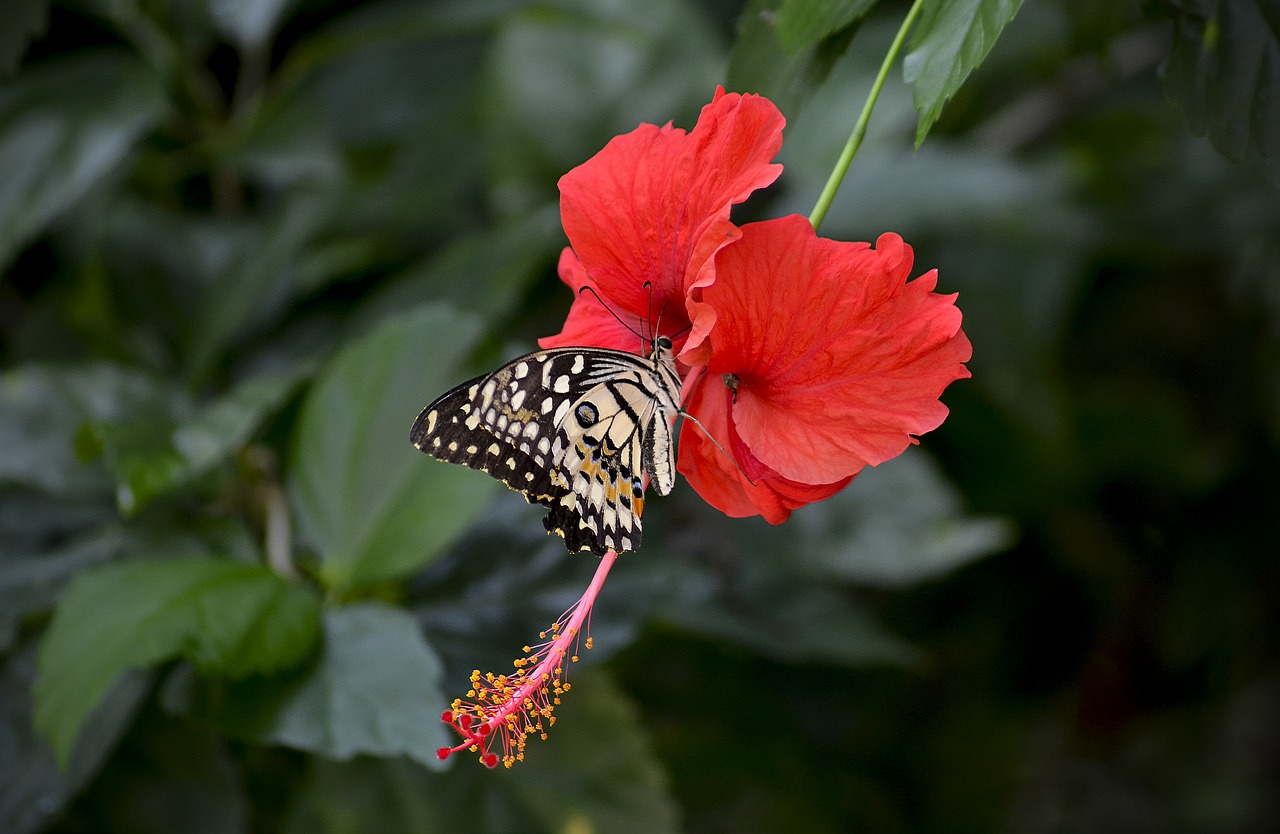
x=373, y=692
x=1225, y=61
x=804, y=22
x=67, y=124
x=374, y=512
x=949, y=40
x=788, y=75
x=228, y=618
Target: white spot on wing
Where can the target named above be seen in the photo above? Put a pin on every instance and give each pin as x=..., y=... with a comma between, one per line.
x=562, y=410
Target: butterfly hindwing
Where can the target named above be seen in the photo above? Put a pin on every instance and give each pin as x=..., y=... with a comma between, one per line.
x=601, y=441
x=572, y=429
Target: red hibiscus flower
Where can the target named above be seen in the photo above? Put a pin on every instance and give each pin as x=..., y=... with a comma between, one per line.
x=807, y=358
x=646, y=215
x=824, y=359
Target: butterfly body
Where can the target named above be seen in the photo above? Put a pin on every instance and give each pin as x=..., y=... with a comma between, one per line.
x=571, y=429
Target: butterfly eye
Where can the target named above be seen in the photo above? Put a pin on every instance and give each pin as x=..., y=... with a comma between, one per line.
x=662, y=343
x=586, y=414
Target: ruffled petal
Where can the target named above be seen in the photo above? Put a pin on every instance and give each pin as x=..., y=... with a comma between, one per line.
x=714, y=476
x=653, y=205
x=839, y=359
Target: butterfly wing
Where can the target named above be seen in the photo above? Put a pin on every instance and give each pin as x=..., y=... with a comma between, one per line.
x=604, y=443
x=567, y=429
x=450, y=429
x=600, y=444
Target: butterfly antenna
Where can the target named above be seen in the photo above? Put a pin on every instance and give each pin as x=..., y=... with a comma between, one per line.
x=629, y=328
x=653, y=330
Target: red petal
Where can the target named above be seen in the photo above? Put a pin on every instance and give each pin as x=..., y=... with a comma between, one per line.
x=721, y=484
x=840, y=360
x=653, y=205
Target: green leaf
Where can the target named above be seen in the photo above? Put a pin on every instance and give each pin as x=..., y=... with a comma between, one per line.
x=760, y=63
x=251, y=269
x=371, y=154
x=792, y=597
x=32, y=574
x=375, y=507
x=64, y=125
x=33, y=789
x=20, y=21
x=151, y=437
x=227, y=617
x=1224, y=69
x=376, y=690
x=223, y=425
x=42, y=408
x=788, y=619
x=951, y=39
x=803, y=23
x=157, y=463
x=899, y=524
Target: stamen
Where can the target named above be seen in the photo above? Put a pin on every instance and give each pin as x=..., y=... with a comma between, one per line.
x=521, y=704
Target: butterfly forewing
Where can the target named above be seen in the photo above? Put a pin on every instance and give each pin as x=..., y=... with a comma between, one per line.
x=572, y=429
x=448, y=430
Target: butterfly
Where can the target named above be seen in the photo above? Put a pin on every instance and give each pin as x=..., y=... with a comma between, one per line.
x=572, y=429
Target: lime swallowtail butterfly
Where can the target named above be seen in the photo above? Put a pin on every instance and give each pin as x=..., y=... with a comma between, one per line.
x=572, y=429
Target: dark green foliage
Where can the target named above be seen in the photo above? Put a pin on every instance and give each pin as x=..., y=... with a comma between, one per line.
x=245, y=242
x=1224, y=70
x=949, y=41
x=787, y=69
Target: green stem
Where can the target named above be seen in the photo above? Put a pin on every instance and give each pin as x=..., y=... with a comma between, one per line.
x=860, y=127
